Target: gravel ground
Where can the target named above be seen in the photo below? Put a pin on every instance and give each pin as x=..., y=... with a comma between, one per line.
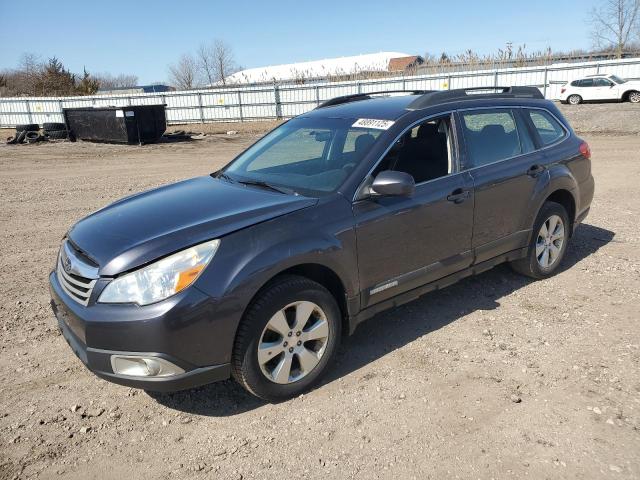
x=494, y=377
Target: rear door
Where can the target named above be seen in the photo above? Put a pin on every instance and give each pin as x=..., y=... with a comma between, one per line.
x=501, y=158
x=587, y=89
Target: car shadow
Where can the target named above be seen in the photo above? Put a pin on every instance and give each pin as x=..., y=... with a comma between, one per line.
x=394, y=328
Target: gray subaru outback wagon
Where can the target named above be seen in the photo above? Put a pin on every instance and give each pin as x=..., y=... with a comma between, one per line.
x=366, y=202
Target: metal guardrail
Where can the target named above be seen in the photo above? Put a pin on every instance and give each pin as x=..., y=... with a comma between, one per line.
x=284, y=101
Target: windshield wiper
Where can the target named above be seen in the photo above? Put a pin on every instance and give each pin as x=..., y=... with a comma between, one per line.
x=263, y=184
x=223, y=175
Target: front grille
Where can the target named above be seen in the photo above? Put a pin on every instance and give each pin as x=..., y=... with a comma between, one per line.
x=78, y=288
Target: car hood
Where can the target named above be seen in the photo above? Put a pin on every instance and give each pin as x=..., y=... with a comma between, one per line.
x=143, y=227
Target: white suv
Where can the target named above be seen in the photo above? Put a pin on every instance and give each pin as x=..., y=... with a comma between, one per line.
x=600, y=88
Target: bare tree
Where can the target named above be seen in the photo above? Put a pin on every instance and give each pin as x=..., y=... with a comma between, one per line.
x=109, y=81
x=216, y=62
x=225, y=64
x=206, y=59
x=30, y=71
x=616, y=24
x=183, y=73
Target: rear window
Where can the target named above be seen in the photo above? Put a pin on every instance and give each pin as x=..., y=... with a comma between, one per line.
x=490, y=135
x=547, y=126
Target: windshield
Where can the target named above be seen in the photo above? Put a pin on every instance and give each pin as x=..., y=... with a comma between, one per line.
x=311, y=156
x=617, y=79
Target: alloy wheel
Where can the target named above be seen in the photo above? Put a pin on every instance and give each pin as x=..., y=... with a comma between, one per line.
x=634, y=97
x=293, y=342
x=574, y=99
x=550, y=241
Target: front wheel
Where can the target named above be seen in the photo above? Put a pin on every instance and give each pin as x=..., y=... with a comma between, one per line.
x=287, y=339
x=548, y=243
x=634, y=97
x=574, y=99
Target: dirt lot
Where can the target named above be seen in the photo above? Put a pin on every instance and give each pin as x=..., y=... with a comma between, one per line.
x=495, y=377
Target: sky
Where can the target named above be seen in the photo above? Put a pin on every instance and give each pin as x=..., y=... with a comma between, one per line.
x=143, y=37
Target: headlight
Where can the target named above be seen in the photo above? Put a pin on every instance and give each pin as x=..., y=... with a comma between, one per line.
x=161, y=279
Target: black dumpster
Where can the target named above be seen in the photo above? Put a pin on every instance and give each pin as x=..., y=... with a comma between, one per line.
x=135, y=124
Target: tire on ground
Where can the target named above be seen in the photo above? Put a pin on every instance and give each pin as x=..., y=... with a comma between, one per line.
x=529, y=265
x=20, y=136
x=275, y=296
x=57, y=134
x=48, y=126
x=28, y=127
x=32, y=137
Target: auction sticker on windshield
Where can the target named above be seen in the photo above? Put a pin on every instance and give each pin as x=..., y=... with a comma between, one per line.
x=373, y=123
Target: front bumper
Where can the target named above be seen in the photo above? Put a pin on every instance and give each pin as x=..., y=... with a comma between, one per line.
x=97, y=332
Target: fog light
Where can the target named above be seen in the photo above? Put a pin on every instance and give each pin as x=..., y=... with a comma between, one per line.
x=139, y=366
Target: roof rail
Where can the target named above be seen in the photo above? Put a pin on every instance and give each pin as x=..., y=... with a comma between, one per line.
x=365, y=96
x=443, y=96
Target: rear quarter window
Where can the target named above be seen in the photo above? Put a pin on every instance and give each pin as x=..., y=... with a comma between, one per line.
x=548, y=128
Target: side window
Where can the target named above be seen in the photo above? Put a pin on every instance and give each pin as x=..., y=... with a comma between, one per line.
x=576, y=83
x=490, y=136
x=424, y=152
x=587, y=82
x=602, y=82
x=547, y=126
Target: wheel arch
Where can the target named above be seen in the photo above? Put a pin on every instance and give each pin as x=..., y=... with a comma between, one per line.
x=321, y=274
x=627, y=93
x=559, y=186
x=565, y=198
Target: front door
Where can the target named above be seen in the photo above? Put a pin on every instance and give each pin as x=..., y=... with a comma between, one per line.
x=406, y=242
x=604, y=89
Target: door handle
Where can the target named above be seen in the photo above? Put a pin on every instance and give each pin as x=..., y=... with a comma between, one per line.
x=459, y=195
x=535, y=170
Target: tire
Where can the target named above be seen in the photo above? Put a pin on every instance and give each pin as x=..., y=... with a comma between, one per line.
x=533, y=265
x=32, y=137
x=634, y=97
x=28, y=127
x=57, y=134
x=53, y=126
x=20, y=136
x=574, y=99
x=274, y=379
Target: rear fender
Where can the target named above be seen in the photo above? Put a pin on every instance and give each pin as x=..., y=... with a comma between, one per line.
x=557, y=177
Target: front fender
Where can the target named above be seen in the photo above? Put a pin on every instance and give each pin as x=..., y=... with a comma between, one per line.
x=246, y=260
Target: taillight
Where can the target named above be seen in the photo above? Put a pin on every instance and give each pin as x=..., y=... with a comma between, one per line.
x=562, y=90
x=585, y=150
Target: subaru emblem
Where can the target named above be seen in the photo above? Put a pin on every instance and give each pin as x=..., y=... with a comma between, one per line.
x=66, y=264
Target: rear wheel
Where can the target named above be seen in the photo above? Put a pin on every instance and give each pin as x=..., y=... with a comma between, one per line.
x=287, y=339
x=574, y=99
x=548, y=243
x=634, y=97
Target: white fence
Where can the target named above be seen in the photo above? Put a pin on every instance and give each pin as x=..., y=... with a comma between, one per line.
x=284, y=101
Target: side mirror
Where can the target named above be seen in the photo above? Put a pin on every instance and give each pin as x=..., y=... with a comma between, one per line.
x=393, y=184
